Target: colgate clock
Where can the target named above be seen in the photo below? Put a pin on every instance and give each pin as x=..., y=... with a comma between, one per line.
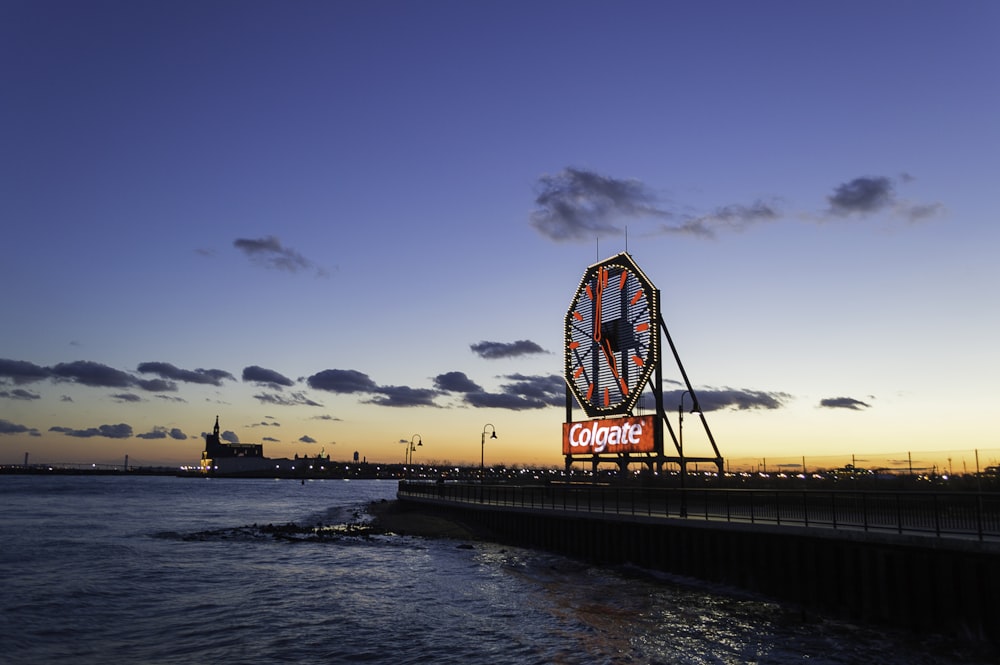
x=612, y=337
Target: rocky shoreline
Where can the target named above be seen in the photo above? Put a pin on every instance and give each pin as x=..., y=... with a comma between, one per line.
x=426, y=521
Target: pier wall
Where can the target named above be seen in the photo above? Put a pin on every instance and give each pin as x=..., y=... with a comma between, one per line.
x=947, y=586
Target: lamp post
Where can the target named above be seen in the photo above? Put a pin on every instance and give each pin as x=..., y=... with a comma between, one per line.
x=482, y=451
x=408, y=454
x=680, y=450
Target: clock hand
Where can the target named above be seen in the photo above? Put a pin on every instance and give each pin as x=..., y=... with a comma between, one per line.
x=597, y=305
x=613, y=364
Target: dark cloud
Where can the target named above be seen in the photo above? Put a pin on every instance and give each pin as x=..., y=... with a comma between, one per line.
x=844, y=403
x=19, y=393
x=163, y=433
x=578, y=205
x=213, y=377
x=716, y=399
x=229, y=436
x=119, y=431
x=861, y=196
x=266, y=377
x=270, y=439
x=327, y=416
x=21, y=371
x=456, y=382
x=342, y=381
x=270, y=253
x=281, y=399
x=7, y=427
x=581, y=205
x=402, y=396
x=89, y=373
x=522, y=393
x=493, y=350
x=305, y=438
x=126, y=397
x=157, y=385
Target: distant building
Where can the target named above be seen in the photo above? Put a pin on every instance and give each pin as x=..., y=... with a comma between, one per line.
x=247, y=459
x=221, y=457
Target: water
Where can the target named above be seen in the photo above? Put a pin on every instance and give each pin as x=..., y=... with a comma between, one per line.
x=156, y=570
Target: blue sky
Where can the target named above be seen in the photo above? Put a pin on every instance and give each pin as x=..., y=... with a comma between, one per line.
x=340, y=224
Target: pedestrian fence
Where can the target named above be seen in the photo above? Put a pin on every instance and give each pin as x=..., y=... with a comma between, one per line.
x=965, y=515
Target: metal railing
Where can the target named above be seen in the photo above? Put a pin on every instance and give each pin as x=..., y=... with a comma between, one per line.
x=967, y=515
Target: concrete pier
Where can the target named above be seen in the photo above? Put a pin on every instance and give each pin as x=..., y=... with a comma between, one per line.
x=930, y=584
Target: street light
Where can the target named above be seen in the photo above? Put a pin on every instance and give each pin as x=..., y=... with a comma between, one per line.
x=482, y=450
x=410, y=449
x=680, y=448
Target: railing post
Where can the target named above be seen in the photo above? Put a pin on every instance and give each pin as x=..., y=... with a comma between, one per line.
x=805, y=508
x=864, y=509
x=899, y=513
x=937, y=517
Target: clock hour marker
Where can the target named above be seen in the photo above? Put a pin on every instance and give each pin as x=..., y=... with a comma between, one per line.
x=574, y=345
x=642, y=327
x=607, y=398
x=590, y=292
x=590, y=391
x=578, y=372
x=637, y=360
x=578, y=316
x=621, y=282
x=635, y=298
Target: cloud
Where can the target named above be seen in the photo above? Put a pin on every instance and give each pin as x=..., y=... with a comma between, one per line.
x=869, y=195
x=733, y=217
x=844, y=403
x=716, y=399
x=342, y=381
x=270, y=253
x=456, y=382
x=861, y=196
x=229, y=436
x=402, y=396
x=119, y=431
x=492, y=350
x=19, y=393
x=21, y=371
x=578, y=205
x=266, y=377
x=280, y=399
x=126, y=397
x=327, y=416
x=305, y=438
x=7, y=427
x=213, y=377
x=89, y=373
x=163, y=433
x=522, y=393
x=96, y=375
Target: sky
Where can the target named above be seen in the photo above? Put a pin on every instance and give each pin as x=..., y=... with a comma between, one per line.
x=340, y=226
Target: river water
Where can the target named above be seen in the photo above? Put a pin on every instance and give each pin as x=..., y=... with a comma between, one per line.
x=136, y=569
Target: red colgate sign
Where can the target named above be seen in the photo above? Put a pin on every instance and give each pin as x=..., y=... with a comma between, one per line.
x=612, y=435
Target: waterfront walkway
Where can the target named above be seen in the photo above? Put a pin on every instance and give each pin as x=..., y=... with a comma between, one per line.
x=945, y=515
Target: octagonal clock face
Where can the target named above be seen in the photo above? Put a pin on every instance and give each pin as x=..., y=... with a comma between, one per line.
x=612, y=336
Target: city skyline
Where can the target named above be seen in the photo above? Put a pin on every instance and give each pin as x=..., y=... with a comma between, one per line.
x=340, y=225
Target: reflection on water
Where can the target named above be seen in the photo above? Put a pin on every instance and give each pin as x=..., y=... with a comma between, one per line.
x=164, y=570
